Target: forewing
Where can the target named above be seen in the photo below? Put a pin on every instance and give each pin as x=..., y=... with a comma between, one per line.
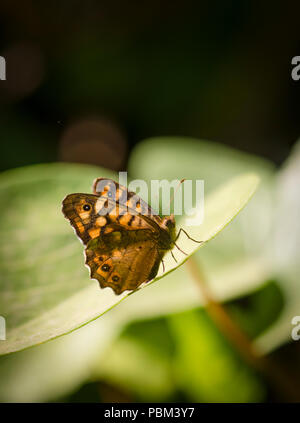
x=124, y=217
x=104, y=216
x=107, y=188
x=83, y=221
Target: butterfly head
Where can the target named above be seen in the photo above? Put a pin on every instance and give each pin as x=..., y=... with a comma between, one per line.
x=169, y=225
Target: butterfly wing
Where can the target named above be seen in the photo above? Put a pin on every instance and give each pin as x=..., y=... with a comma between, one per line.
x=92, y=216
x=80, y=210
x=122, y=216
x=121, y=235
x=125, y=263
x=107, y=188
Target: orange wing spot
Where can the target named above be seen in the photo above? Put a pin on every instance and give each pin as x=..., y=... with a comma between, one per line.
x=130, y=203
x=141, y=223
x=99, y=206
x=114, y=213
x=84, y=215
x=96, y=260
x=108, y=230
x=100, y=272
x=125, y=219
x=101, y=221
x=80, y=227
x=94, y=233
x=106, y=190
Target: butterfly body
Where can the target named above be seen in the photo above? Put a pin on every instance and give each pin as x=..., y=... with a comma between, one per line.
x=125, y=240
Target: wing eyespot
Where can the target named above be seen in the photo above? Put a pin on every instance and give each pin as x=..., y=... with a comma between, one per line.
x=105, y=267
x=115, y=278
x=86, y=207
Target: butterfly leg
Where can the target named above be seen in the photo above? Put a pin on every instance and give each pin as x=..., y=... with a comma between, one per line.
x=189, y=237
x=173, y=256
x=180, y=249
x=178, y=234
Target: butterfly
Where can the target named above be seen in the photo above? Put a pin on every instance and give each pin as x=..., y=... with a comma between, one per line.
x=125, y=239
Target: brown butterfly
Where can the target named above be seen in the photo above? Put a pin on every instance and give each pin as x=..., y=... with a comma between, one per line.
x=125, y=239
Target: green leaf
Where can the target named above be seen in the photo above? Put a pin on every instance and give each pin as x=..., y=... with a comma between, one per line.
x=45, y=289
x=220, y=208
x=235, y=262
x=52, y=369
x=183, y=157
x=42, y=269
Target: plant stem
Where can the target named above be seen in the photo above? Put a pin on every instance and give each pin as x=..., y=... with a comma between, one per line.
x=285, y=385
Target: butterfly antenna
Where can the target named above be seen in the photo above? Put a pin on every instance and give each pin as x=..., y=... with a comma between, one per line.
x=177, y=188
x=180, y=249
x=173, y=195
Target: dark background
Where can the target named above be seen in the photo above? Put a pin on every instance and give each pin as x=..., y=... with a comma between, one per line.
x=87, y=80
